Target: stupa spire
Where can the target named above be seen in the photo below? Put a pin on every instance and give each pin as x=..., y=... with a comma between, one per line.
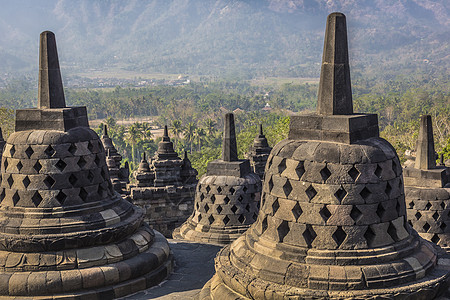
x=229, y=147
x=335, y=91
x=51, y=92
x=105, y=130
x=165, y=137
x=426, y=158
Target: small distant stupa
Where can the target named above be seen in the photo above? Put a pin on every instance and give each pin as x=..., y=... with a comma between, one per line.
x=259, y=153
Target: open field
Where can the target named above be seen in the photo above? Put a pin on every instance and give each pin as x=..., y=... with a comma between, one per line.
x=277, y=81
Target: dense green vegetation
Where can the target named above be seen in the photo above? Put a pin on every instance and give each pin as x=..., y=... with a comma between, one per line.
x=194, y=112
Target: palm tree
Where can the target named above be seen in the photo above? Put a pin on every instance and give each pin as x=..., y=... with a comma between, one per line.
x=199, y=133
x=132, y=137
x=146, y=131
x=210, y=126
x=189, y=134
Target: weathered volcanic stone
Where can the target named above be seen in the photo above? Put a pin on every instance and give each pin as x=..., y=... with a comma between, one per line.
x=165, y=187
x=332, y=223
x=64, y=231
x=227, y=198
x=258, y=154
x=2, y=142
x=119, y=175
x=427, y=190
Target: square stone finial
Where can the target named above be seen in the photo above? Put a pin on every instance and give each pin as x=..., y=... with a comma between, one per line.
x=51, y=113
x=229, y=147
x=334, y=120
x=426, y=157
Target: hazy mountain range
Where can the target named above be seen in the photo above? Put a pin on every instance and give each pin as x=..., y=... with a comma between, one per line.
x=225, y=37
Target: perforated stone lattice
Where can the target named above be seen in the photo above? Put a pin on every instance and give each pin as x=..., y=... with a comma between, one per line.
x=31, y=172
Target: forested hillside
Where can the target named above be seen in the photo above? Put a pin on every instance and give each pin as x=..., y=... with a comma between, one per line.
x=226, y=38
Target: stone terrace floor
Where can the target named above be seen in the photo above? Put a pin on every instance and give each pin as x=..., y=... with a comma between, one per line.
x=194, y=266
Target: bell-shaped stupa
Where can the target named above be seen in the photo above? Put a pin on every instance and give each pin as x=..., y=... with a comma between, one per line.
x=64, y=231
x=119, y=175
x=332, y=223
x=258, y=154
x=427, y=190
x=226, y=199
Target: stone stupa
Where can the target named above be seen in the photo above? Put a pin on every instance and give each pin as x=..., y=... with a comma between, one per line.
x=64, y=231
x=259, y=152
x=165, y=187
x=227, y=198
x=332, y=223
x=427, y=189
x=119, y=175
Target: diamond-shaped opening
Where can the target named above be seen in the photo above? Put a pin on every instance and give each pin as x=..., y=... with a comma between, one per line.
x=206, y=207
x=252, y=196
x=49, y=181
x=240, y=198
x=378, y=171
x=340, y=194
x=418, y=215
x=219, y=189
x=197, y=206
x=380, y=210
x=199, y=218
x=213, y=199
x=428, y=206
x=339, y=236
x=226, y=220
x=392, y=231
x=90, y=146
x=442, y=205
x=388, y=189
x=264, y=225
x=255, y=216
x=16, y=198
x=365, y=193
x=435, y=216
x=10, y=180
x=300, y=169
x=202, y=197
x=2, y=195
x=275, y=206
x=241, y=219
x=232, y=190
x=310, y=192
x=355, y=214
x=270, y=184
x=26, y=181
x=29, y=151
x=283, y=230
x=81, y=162
x=90, y=176
x=247, y=207
x=325, y=173
x=61, y=165
x=369, y=235
x=208, y=188
x=426, y=226
x=97, y=160
x=219, y=209
x=325, y=213
x=83, y=194
x=226, y=200
x=234, y=209
x=282, y=166
x=297, y=211
x=6, y=163
x=61, y=197
x=49, y=151
x=211, y=220
x=37, y=199
x=443, y=226
x=410, y=223
x=354, y=173
x=72, y=149
x=309, y=235
x=244, y=189
x=72, y=179
x=411, y=204
x=435, y=239
x=12, y=151
x=287, y=188
x=19, y=166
